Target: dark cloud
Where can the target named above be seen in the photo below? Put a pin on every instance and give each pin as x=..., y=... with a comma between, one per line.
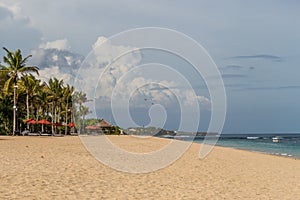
x=4, y=13
x=259, y=56
x=235, y=85
x=67, y=61
x=17, y=32
x=238, y=67
x=234, y=67
x=178, y=88
x=233, y=76
x=293, y=87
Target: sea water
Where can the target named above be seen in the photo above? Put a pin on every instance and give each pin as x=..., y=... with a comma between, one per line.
x=288, y=145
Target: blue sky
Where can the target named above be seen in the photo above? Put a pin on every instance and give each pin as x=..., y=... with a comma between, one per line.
x=255, y=44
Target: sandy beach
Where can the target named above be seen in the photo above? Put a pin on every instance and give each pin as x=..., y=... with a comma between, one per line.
x=61, y=168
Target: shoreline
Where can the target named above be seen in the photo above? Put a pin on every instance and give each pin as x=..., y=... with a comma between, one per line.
x=249, y=150
x=260, y=152
x=217, y=145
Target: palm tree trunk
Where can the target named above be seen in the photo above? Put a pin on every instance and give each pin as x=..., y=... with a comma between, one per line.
x=27, y=108
x=52, y=120
x=14, y=110
x=55, y=118
x=80, y=118
x=42, y=128
x=66, y=125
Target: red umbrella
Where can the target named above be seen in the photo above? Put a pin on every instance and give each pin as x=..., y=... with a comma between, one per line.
x=33, y=122
x=43, y=121
x=71, y=125
x=27, y=120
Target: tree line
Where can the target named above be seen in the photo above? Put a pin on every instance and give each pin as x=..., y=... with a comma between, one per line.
x=23, y=96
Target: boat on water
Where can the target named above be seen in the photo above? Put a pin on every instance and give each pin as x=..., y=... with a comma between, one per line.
x=276, y=139
x=252, y=138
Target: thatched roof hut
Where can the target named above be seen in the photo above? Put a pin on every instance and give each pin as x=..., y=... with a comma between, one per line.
x=102, y=126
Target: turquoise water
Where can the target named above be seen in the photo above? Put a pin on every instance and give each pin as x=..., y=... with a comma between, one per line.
x=287, y=146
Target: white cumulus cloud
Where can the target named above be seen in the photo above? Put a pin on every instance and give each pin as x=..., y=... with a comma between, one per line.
x=61, y=44
x=55, y=72
x=121, y=74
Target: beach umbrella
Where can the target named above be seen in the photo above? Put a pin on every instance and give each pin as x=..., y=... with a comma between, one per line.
x=33, y=122
x=43, y=121
x=71, y=125
x=27, y=120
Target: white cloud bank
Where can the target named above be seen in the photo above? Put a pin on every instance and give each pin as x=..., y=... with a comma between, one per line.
x=61, y=44
x=121, y=74
x=115, y=68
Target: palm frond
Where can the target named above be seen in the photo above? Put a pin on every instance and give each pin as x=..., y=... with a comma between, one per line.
x=26, y=69
x=7, y=85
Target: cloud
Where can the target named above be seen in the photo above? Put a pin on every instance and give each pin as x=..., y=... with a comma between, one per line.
x=166, y=93
x=17, y=31
x=259, y=56
x=56, y=44
x=105, y=52
x=55, y=71
x=288, y=87
x=238, y=67
x=5, y=13
x=121, y=74
x=66, y=65
x=54, y=61
x=233, y=76
x=66, y=60
x=12, y=7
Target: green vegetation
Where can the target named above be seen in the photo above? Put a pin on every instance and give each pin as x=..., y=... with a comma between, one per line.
x=24, y=96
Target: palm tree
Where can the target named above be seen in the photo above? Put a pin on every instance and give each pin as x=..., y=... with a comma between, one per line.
x=3, y=78
x=80, y=98
x=43, y=99
x=55, y=94
x=15, y=65
x=67, y=94
x=6, y=113
x=30, y=85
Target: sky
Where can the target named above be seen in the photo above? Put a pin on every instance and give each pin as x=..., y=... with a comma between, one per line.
x=254, y=44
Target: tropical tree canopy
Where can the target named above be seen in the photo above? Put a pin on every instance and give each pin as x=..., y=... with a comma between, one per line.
x=52, y=100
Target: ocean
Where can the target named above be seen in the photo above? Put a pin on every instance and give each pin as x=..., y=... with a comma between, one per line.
x=287, y=145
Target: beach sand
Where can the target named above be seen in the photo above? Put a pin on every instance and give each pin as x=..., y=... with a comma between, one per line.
x=61, y=168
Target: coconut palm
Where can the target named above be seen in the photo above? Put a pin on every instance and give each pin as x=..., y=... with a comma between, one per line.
x=80, y=98
x=43, y=99
x=55, y=95
x=30, y=85
x=16, y=65
x=6, y=113
x=67, y=95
